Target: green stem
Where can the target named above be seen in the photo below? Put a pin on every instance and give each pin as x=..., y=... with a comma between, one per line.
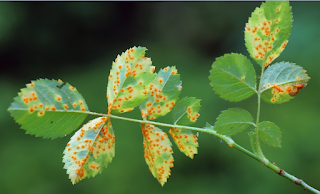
x=210, y=130
x=255, y=141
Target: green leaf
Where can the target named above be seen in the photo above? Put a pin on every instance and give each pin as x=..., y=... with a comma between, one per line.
x=157, y=152
x=89, y=150
x=269, y=134
x=165, y=90
x=129, y=80
x=282, y=81
x=268, y=30
x=186, y=111
x=49, y=108
x=185, y=140
x=233, y=121
x=232, y=77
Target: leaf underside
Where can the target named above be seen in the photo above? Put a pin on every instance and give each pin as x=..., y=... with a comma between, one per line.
x=49, y=108
x=233, y=121
x=282, y=81
x=233, y=77
x=269, y=134
x=89, y=150
x=268, y=30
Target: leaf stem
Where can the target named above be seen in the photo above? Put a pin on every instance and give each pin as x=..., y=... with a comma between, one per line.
x=210, y=130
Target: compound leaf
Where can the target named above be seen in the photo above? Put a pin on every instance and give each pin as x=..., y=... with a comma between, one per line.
x=233, y=121
x=89, y=150
x=268, y=30
x=49, y=108
x=186, y=111
x=185, y=140
x=164, y=92
x=282, y=81
x=157, y=152
x=269, y=134
x=232, y=77
x=129, y=80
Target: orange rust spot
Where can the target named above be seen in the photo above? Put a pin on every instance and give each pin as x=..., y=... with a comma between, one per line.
x=35, y=98
x=283, y=45
x=31, y=109
x=74, y=104
x=71, y=87
x=82, y=109
x=242, y=79
x=58, y=98
x=53, y=108
x=31, y=84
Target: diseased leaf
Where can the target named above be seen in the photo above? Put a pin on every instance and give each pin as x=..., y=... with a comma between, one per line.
x=157, y=152
x=232, y=77
x=129, y=80
x=185, y=140
x=186, y=111
x=282, y=81
x=233, y=121
x=49, y=108
x=268, y=30
x=164, y=92
x=269, y=134
x=89, y=150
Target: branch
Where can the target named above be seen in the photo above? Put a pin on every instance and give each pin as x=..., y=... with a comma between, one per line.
x=230, y=143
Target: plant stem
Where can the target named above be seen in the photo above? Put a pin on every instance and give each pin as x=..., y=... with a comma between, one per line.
x=210, y=130
x=255, y=141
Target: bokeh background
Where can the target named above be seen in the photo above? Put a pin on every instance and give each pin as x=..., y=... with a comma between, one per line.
x=77, y=41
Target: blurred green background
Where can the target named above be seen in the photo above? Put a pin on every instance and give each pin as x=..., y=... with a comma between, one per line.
x=77, y=42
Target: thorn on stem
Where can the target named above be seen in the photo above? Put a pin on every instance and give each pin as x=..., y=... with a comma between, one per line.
x=297, y=181
x=281, y=172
